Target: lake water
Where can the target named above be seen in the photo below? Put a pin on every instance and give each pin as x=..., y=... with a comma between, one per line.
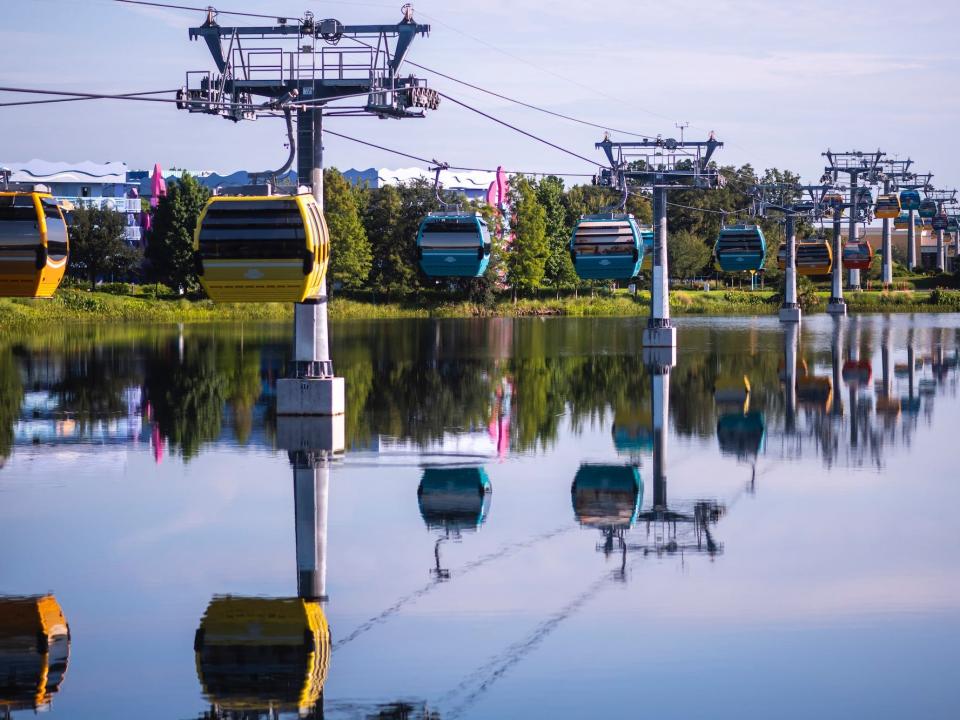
x=527, y=522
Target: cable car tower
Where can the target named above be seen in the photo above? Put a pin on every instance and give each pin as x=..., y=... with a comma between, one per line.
x=893, y=172
x=788, y=199
x=940, y=221
x=912, y=187
x=660, y=165
x=300, y=65
x=856, y=164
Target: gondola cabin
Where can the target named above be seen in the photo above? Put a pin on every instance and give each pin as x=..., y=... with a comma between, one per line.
x=928, y=208
x=902, y=221
x=262, y=248
x=940, y=221
x=888, y=206
x=607, y=496
x=910, y=200
x=453, y=245
x=454, y=499
x=646, y=235
x=33, y=244
x=263, y=655
x=813, y=258
x=864, y=198
x=832, y=199
x=740, y=248
x=815, y=391
x=857, y=255
x=607, y=247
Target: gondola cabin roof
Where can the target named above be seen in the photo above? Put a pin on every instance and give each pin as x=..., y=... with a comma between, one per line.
x=607, y=496
x=266, y=248
x=453, y=244
x=34, y=244
x=607, y=246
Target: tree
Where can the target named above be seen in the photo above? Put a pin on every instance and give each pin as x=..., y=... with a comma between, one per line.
x=688, y=254
x=526, y=262
x=393, y=267
x=558, y=271
x=350, y=256
x=170, y=243
x=98, y=247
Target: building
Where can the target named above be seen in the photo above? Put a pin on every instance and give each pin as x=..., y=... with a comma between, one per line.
x=86, y=184
x=472, y=184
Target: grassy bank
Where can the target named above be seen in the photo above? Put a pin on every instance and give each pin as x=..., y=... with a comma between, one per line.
x=75, y=305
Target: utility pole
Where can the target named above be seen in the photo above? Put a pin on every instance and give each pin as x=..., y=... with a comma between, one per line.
x=786, y=198
x=661, y=166
x=893, y=172
x=301, y=65
x=940, y=223
x=855, y=164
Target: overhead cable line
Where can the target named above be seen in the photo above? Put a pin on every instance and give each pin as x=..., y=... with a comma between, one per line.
x=516, y=129
x=75, y=99
x=434, y=162
x=526, y=104
x=170, y=6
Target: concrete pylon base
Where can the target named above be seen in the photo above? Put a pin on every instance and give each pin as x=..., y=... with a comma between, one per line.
x=790, y=314
x=314, y=433
x=660, y=337
x=660, y=357
x=837, y=308
x=311, y=396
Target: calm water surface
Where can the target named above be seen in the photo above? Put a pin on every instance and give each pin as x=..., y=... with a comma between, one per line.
x=526, y=522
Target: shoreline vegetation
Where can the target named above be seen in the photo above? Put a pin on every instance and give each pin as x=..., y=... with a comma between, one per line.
x=140, y=305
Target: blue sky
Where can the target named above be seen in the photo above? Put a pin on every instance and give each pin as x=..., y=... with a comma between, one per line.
x=778, y=83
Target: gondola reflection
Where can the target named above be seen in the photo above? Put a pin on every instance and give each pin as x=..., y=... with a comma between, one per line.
x=453, y=500
x=34, y=652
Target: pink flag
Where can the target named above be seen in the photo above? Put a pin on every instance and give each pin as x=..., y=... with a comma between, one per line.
x=158, y=186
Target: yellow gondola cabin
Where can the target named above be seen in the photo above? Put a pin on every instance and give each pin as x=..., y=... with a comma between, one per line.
x=262, y=248
x=33, y=244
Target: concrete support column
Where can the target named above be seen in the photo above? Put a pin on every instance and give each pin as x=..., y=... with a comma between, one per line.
x=661, y=414
x=837, y=306
x=313, y=389
x=941, y=252
x=854, y=275
x=660, y=331
x=887, y=275
x=912, y=241
x=790, y=310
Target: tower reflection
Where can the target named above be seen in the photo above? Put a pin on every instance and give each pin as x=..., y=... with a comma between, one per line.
x=268, y=657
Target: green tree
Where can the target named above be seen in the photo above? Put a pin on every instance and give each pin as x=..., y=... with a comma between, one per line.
x=170, y=243
x=350, y=255
x=526, y=261
x=393, y=266
x=688, y=254
x=98, y=247
x=558, y=271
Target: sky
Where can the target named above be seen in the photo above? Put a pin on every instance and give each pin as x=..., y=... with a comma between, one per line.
x=778, y=83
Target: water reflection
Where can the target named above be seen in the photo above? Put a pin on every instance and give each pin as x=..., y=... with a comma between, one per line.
x=453, y=501
x=422, y=385
x=34, y=652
